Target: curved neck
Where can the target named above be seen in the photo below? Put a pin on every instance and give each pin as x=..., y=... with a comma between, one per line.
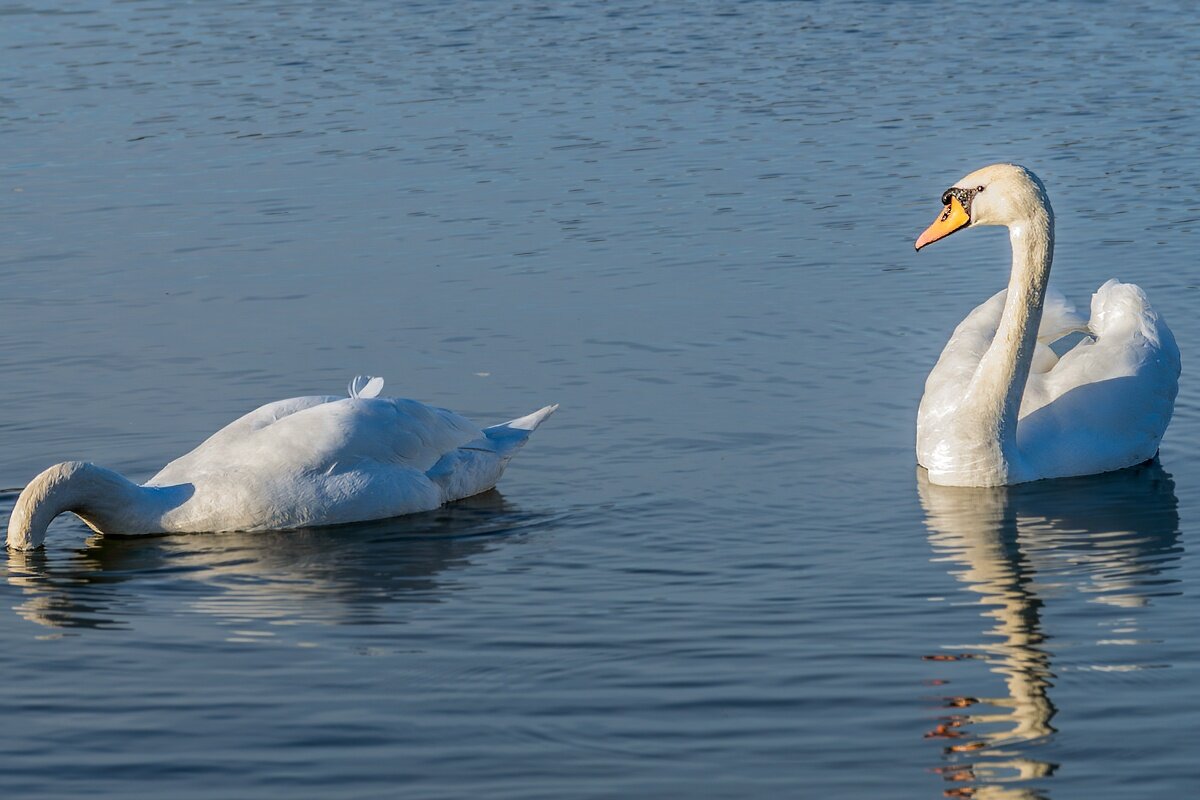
x=999, y=383
x=104, y=500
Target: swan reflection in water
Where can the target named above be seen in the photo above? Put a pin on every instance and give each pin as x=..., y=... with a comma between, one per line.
x=350, y=574
x=1108, y=537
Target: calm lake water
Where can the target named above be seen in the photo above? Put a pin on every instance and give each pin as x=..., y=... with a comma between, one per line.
x=715, y=572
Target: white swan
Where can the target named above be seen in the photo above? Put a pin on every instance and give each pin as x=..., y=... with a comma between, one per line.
x=289, y=464
x=1000, y=407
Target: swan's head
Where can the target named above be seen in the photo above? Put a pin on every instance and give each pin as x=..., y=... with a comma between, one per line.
x=1002, y=194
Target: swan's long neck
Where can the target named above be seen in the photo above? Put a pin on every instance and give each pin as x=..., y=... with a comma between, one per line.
x=101, y=497
x=995, y=392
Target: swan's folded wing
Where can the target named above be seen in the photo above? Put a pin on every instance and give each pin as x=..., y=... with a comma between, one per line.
x=326, y=435
x=1129, y=339
x=213, y=449
x=398, y=431
x=960, y=357
x=1059, y=319
x=971, y=339
x=388, y=430
x=948, y=381
x=1107, y=400
x=950, y=377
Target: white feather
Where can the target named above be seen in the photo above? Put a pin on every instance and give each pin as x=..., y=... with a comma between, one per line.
x=365, y=386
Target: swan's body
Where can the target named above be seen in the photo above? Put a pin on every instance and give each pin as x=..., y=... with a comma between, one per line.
x=1000, y=407
x=293, y=463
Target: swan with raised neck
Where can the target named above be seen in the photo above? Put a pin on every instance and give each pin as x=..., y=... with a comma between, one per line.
x=967, y=434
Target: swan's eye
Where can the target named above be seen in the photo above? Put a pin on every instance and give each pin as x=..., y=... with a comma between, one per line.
x=979, y=188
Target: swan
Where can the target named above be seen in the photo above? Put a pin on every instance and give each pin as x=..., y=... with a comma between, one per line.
x=1000, y=407
x=293, y=463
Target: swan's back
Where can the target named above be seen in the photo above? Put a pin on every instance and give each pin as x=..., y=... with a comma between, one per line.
x=325, y=434
x=324, y=461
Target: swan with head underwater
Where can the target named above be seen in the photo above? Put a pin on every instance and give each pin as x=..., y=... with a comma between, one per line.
x=295, y=463
x=1000, y=407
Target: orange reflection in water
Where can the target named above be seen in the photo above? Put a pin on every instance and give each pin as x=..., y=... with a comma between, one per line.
x=1104, y=536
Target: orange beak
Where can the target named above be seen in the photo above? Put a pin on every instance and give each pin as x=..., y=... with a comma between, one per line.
x=953, y=217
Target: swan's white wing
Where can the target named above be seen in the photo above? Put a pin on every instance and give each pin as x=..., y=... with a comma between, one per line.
x=226, y=439
x=956, y=366
x=960, y=357
x=973, y=336
x=950, y=377
x=329, y=461
x=388, y=430
x=309, y=435
x=1058, y=320
x=1106, y=403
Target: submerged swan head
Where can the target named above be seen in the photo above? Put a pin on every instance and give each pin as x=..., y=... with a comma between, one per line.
x=1002, y=194
x=59, y=488
x=100, y=497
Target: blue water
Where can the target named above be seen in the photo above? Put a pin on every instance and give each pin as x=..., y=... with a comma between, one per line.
x=715, y=572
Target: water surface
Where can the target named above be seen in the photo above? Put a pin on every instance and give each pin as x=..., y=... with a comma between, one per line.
x=715, y=572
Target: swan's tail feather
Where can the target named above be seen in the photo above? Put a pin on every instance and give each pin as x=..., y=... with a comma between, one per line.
x=476, y=466
x=508, y=437
x=527, y=423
